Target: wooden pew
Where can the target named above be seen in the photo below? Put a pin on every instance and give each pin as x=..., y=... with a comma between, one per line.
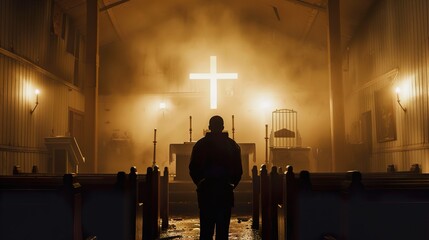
x=401, y=204
x=354, y=206
x=255, y=197
x=264, y=204
x=157, y=202
x=40, y=207
x=164, y=199
x=269, y=214
x=415, y=168
x=267, y=193
x=121, y=206
x=313, y=205
x=151, y=204
x=112, y=206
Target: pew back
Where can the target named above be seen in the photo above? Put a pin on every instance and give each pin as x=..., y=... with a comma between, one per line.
x=40, y=207
x=106, y=206
x=110, y=207
x=390, y=207
x=354, y=206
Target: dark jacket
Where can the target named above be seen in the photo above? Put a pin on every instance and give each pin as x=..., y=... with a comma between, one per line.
x=215, y=168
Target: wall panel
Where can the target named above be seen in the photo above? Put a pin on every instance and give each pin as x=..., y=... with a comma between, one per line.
x=32, y=57
x=394, y=36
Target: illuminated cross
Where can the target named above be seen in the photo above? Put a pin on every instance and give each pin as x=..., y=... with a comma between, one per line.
x=213, y=76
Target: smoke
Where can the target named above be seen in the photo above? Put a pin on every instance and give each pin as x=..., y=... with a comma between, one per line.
x=153, y=64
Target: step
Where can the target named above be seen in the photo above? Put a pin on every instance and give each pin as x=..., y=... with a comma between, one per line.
x=191, y=209
x=191, y=195
x=183, y=198
x=190, y=186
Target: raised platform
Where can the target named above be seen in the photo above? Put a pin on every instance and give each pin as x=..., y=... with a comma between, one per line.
x=183, y=199
x=301, y=158
x=180, y=154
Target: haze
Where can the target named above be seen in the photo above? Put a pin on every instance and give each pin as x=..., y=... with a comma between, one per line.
x=274, y=72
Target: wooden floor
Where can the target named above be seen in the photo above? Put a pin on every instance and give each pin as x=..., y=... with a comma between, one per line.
x=188, y=228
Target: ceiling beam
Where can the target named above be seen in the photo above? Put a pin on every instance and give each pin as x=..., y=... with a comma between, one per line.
x=112, y=19
x=307, y=4
x=310, y=23
x=112, y=5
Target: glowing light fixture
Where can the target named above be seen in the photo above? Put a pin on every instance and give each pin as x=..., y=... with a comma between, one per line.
x=213, y=76
x=37, y=92
x=162, y=105
x=265, y=104
x=398, y=91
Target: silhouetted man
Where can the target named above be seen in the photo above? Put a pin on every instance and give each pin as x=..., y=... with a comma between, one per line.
x=216, y=169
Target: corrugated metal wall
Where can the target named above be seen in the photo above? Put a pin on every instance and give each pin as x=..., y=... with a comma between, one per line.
x=32, y=57
x=392, y=50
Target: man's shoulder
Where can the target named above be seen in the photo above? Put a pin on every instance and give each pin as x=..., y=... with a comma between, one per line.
x=200, y=142
x=234, y=143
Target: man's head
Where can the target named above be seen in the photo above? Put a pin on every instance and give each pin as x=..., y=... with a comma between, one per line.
x=216, y=124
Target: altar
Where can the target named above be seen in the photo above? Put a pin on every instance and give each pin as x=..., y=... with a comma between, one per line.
x=300, y=158
x=180, y=154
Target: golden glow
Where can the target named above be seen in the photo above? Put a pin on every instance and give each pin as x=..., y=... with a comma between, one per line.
x=29, y=90
x=398, y=99
x=162, y=105
x=403, y=88
x=273, y=73
x=265, y=104
x=398, y=90
x=37, y=92
x=213, y=76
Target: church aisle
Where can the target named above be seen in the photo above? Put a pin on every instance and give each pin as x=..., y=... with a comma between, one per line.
x=188, y=228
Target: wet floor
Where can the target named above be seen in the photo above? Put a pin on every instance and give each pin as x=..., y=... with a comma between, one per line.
x=189, y=228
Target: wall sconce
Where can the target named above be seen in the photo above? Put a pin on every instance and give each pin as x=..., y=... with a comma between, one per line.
x=398, y=90
x=37, y=92
x=162, y=108
x=162, y=105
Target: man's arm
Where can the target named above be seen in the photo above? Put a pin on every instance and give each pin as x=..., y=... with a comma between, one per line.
x=237, y=166
x=195, y=165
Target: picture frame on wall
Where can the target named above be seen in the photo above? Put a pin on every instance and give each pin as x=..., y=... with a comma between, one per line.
x=385, y=115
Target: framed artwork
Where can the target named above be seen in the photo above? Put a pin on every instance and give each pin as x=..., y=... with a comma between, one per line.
x=384, y=115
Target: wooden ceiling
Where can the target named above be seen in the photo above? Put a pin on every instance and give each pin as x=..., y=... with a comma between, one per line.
x=302, y=20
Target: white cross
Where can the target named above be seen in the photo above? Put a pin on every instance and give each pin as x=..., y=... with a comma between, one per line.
x=213, y=76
